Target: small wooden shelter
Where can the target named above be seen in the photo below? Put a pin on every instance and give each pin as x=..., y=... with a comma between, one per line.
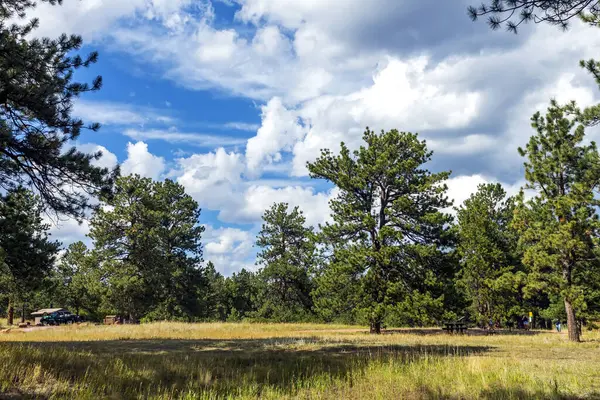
x=37, y=315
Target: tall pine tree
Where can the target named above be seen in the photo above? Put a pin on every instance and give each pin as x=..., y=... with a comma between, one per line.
x=149, y=245
x=388, y=229
x=36, y=125
x=286, y=257
x=27, y=252
x=559, y=227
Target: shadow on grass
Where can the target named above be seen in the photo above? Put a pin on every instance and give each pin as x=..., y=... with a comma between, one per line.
x=499, y=393
x=137, y=368
x=469, y=332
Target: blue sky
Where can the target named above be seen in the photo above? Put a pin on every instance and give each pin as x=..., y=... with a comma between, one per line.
x=231, y=98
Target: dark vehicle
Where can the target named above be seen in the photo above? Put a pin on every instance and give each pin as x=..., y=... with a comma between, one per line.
x=60, y=317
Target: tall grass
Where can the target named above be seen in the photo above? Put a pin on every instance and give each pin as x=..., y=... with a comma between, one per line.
x=274, y=361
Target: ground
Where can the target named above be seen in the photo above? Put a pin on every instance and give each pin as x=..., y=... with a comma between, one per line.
x=274, y=361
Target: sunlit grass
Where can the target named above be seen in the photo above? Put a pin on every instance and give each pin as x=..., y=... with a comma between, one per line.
x=206, y=361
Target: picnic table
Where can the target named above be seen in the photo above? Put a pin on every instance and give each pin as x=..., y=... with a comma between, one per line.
x=455, y=327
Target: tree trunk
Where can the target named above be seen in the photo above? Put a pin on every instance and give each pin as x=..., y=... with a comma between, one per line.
x=571, y=322
x=376, y=327
x=23, y=314
x=11, y=314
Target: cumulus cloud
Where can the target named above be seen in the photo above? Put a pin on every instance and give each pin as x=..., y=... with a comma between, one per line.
x=141, y=162
x=229, y=249
x=280, y=130
x=212, y=178
x=256, y=199
x=107, y=160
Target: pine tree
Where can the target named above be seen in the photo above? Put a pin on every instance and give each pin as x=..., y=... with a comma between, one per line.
x=512, y=13
x=388, y=230
x=149, y=244
x=36, y=126
x=286, y=258
x=77, y=279
x=559, y=227
x=28, y=253
x=487, y=246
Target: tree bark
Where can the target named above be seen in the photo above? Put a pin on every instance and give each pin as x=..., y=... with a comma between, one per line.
x=571, y=322
x=11, y=314
x=376, y=327
x=23, y=314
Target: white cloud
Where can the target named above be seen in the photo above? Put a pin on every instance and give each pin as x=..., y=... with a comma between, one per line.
x=242, y=126
x=194, y=139
x=107, y=160
x=140, y=161
x=212, y=178
x=279, y=131
x=230, y=249
x=110, y=113
x=257, y=199
x=69, y=231
x=460, y=188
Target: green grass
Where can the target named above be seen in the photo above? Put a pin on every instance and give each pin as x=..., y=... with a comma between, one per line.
x=274, y=361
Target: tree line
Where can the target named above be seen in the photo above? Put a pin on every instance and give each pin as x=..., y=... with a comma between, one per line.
x=391, y=254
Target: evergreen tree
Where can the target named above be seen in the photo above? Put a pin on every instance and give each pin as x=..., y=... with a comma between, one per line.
x=513, y=13
x=148, y=243
x=214, y=296
x=77, y=279
x=36, y=126
x=487, y=246
x=286, y=259
x=388, y=231
x=27, y=252
x=242, y=291
x=559, y=227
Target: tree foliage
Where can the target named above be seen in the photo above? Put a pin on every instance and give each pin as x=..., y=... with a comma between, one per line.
x=286, y=258
x=559, y=227
x=388, y=229
x=77, y=279
x=487, y=246
x=27, y=252
x=36, y=123
x=512, y=13
x=148, y=242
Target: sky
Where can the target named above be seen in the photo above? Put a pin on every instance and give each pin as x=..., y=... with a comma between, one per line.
x=231, y=98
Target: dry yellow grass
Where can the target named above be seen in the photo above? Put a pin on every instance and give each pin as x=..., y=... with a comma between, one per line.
x=209, y=361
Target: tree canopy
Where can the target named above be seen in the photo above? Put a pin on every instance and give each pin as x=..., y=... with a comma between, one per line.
x=388, y=227
x=512, y=13
x=36, y=123
x=559, y=226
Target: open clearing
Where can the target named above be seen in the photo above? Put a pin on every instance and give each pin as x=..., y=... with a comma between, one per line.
x=274, y=361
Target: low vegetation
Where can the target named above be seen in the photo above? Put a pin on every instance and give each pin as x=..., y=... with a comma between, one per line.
x=221, y=360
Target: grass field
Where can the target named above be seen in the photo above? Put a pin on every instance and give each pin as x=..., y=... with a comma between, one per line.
x=275, y=361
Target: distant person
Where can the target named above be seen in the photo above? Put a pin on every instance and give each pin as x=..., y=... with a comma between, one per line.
x=558, y=326
x=526, y=323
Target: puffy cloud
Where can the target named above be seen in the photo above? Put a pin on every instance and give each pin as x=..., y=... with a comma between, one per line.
x=107, y=160
x=230, y=249
x=280, y=130
x=212, y=178
x=257, y=199
x=460, y=188
x=68, y=230
x=140, y=161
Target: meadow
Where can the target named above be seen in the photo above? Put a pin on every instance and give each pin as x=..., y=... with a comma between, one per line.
x=279, y=361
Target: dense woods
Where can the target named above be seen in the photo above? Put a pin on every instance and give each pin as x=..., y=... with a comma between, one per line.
x=396, y=251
